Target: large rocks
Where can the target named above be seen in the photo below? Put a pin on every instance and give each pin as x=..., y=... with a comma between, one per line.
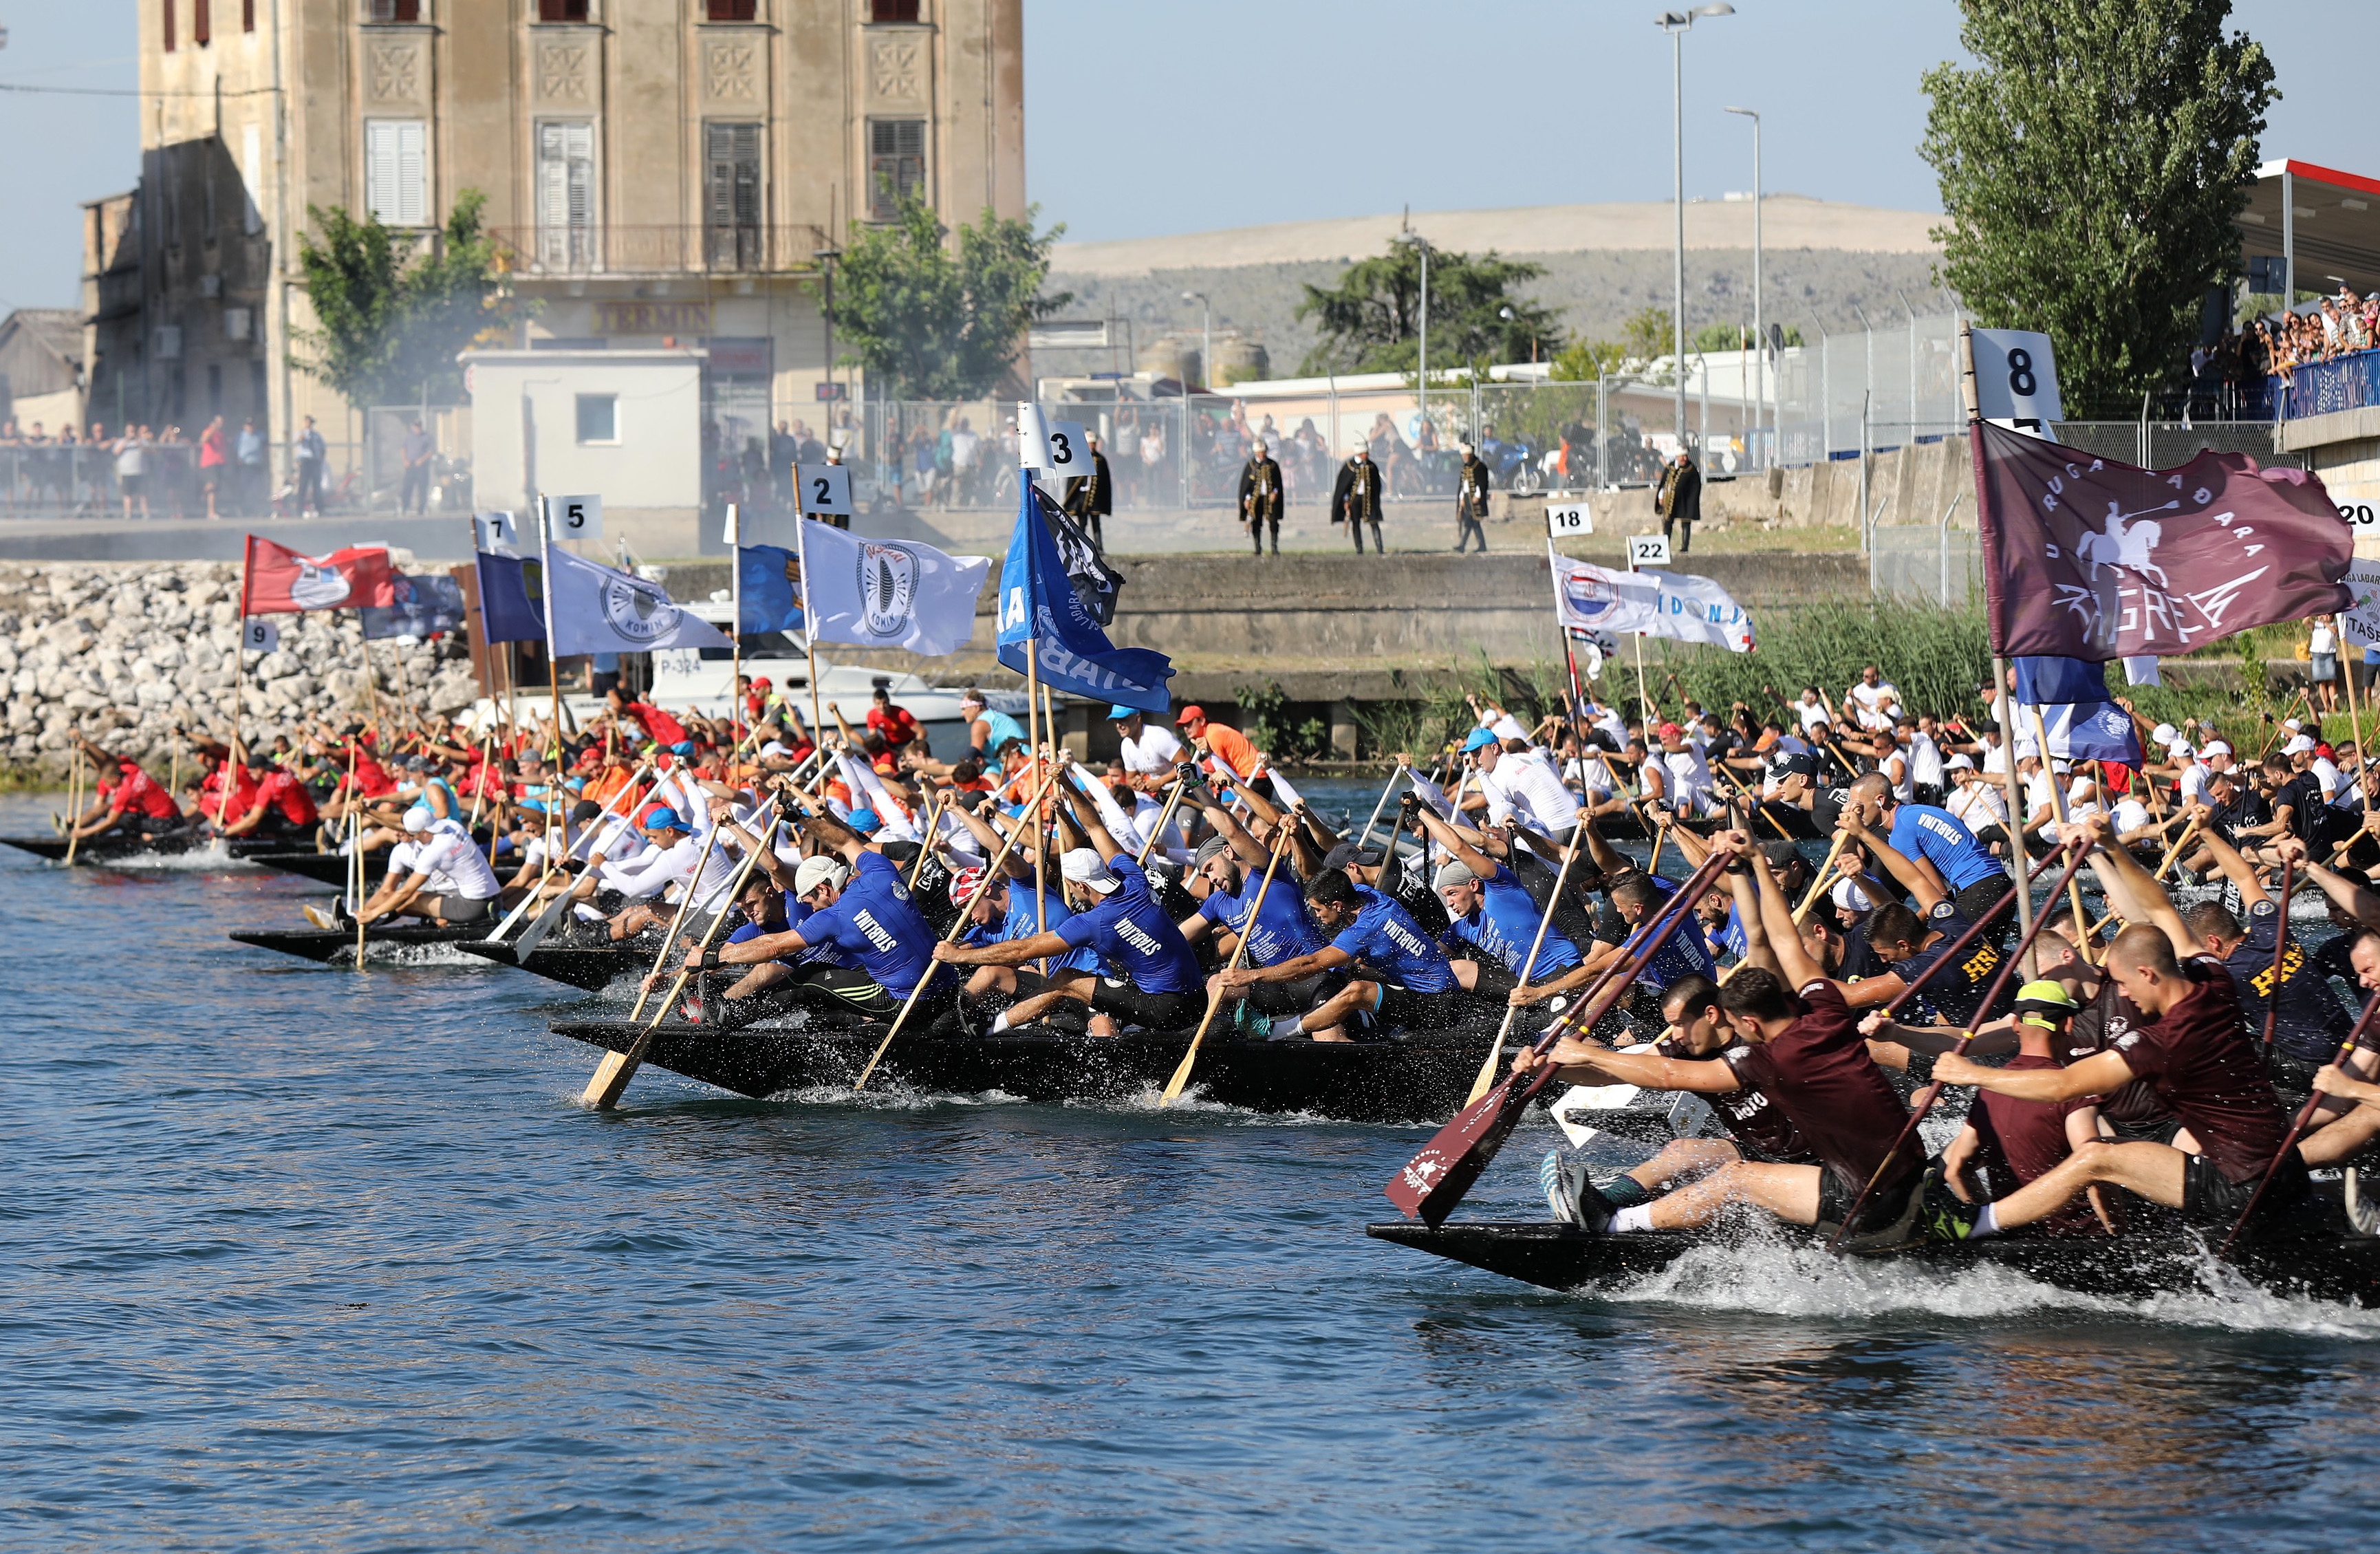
x=126, y=651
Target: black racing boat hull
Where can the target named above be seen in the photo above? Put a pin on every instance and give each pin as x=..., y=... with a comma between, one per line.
x=325, y=945
x=1423, y=1079
x=591, y=966
x=326, y=868
x=2319, y=1264
x=112, y=848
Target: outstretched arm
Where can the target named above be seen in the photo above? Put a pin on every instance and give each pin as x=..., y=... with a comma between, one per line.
x=1794, y=964
x=1918, y=881
x=2141, y=891
x=2345, y=893
x=1452, y=840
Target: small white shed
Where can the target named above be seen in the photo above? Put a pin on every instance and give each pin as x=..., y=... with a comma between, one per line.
x=626, y=425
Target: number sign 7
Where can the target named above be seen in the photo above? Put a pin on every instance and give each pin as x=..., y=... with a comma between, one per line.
x=825, y=488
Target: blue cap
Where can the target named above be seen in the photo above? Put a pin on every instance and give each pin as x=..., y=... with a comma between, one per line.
x=1480, y=739
x=683, y=747
x=866, y=822
x=663, y=817
x=1119, y=712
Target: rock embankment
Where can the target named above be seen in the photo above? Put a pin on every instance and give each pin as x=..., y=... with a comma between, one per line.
x=126, y=651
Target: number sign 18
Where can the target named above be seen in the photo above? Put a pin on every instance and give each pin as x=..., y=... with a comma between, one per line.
x=1563, y=519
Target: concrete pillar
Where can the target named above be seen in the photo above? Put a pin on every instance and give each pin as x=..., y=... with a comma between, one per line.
x=1343, y=730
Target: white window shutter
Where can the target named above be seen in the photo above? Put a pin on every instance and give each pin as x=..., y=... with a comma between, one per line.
x=380, y=170
x=412, y=174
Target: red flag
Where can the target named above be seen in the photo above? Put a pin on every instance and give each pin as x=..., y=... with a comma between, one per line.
x=282, y=582
x=2086, y=558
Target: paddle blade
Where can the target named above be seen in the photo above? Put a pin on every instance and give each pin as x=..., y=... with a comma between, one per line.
x=1488, y=1070
x=544, y=923
x=1434, y=1180
x=1181, y=1080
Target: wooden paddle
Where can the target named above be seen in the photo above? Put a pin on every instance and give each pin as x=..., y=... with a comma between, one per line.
x=2280, y=950
x=1174, y=1085
x=1388, y=788
x=1434, y=1180
x=926, y=838
x=685, y=904
x=1819, y=884
x=612, y=1075
x=1157, y=829
x=1932, y=1092
x=1544, y=920
x=958, y=923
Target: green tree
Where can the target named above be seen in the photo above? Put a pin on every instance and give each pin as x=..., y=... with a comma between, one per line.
x=1582, y=361
x=388, y=332
x=929, y=322
x=1370, y=320
x=2092, y=166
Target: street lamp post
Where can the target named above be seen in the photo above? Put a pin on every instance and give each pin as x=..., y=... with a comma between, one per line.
x=1677, y=24
x=1421, y=376
x=1760, y=356
x=1206, y=338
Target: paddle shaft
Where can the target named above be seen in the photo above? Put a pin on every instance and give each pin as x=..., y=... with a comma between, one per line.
x=1529, y=964
x=958, y=925
x=1390, y=786
x=1164, y=816
x=685, y=904
x=553, y=861
x=1932, y=1092
x=2280, y=950
x=1174, y=1085
x=1842, y=839
x=2298, y=1127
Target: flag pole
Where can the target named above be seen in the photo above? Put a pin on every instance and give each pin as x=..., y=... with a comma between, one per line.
x=239, y=671
x=735, y=623
x=553, y=661
x=1040, y=831
x=2020, y=861
x=809, y=622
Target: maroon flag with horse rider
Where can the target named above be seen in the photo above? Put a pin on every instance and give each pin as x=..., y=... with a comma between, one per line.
x=2086, y=558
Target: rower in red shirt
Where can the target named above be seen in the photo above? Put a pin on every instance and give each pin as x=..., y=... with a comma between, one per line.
x=135, y=801
x=892, y=720
x=2190, y=1044
x=1802, y=1048
x=282, y=808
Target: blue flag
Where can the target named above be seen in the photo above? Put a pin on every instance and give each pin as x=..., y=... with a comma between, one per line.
x=2084, y=731
x=512, y=600
x=1037, y=603
x=769, y=590
x=2047, y=682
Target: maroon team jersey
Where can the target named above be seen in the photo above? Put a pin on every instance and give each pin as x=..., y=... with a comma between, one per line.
x=1755, y=1120
x=2027, y=1138
x=2196, y=1056
x=1818, y=1073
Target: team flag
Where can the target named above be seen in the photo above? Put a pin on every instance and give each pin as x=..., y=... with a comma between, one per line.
x=419, y=606
x=278, y=581
x=890, y=593
x=2087, y=558
x=1592, y=600
x=511, y=598
x=1039, y=603
x=600, y=609
x=768, y=590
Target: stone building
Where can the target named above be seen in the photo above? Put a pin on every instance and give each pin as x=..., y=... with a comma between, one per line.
x=660, y=174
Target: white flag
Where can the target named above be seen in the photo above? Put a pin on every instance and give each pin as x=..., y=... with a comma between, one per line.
x=598, y=609
x=1676, y=604
x=890, y=593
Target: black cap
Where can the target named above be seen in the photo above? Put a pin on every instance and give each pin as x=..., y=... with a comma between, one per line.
x=1347, y=852
x=584, y=811
x=1780, y=854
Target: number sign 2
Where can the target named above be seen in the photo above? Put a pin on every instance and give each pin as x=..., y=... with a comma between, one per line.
x=826, y=488
x=574, y=517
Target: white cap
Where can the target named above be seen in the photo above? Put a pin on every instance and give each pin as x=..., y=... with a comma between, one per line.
x=815, y=872
x=1848, y=895
x=2298, y=745
x=1086, y=868
x=2165, y=734
x=2214, y=748
x=2177, y=749
x=1958, y=763
x=419, y=818
x=2292, y=725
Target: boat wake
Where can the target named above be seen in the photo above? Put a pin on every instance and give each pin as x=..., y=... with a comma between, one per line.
x=215, y=860
x=1760, y=1273
x=390, y=955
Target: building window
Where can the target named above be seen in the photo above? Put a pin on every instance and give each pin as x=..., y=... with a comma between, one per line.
x=732, y=196
x=165, y=11
x=561, y=10
x=892, y=10
x=599, y=418
x=391, y=10
x=565, y=196
x=247, y=16
x=396, y=172
x=735, y=10
x=203, y=29
x=896, y=163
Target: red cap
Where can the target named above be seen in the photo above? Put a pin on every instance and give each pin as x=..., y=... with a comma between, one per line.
x=763, y=683
x=1192, y=713
x=1669, y=731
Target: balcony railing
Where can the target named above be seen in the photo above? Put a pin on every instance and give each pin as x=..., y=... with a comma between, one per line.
x=657, y=250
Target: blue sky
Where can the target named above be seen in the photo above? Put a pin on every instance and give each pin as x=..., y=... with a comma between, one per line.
x=1149, y=116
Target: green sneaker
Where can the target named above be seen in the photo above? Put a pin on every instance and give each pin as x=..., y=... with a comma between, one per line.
x=1945, y=1217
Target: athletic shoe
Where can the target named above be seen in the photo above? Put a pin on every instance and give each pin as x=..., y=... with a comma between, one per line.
x=2363, y=1209
x=319, y=918
x=1572, y=1193
x=1289, y=1027
x=1943, y=1217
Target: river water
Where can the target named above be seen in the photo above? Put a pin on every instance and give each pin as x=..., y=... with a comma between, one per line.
x=298, y=1256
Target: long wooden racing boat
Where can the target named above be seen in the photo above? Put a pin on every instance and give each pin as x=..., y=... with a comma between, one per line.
x=114, y=848
x=395, y=941
x=2315, y=1259
x=591, y=966
x=1418, y=1079
x=326, y=869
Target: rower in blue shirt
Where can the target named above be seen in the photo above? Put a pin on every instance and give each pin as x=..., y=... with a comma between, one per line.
x=1229, y=867
x=1004, y=908
x=1489, y=911
x=1160, y=986
x=1934, y=839
x=1399, y=976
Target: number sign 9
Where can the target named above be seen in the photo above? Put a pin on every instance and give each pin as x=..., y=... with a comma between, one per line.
x=825, y=488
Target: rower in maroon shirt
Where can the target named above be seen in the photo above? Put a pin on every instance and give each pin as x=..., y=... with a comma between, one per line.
x=1803, y=1051
x=2190, y=1044
x=2008, y=1142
